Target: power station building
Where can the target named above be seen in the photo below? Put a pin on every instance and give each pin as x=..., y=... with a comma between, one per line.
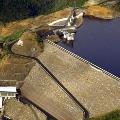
x=6, y=93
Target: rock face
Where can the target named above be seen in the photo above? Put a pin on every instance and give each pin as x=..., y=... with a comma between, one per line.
x=95, y=10
x=94, y=2
x=99, y=12
x=113, y=5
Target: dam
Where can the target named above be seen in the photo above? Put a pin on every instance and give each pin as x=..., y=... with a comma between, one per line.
x=91, y=86
x=98, y=42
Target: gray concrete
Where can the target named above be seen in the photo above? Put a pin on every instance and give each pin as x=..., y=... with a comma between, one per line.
x=98, y=92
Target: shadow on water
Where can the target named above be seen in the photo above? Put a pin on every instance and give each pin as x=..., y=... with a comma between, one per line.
x=99, y=42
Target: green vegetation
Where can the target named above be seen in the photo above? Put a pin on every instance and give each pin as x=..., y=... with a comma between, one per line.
x=11, y=10
x=117, y=7
x=11, y=38
x=14, y=36
x=8, y=39
x=115, y=115
x=39, y=39
x=60, y=4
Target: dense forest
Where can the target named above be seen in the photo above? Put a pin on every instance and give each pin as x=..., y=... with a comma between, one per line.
x=11, y=10
x=19, y=9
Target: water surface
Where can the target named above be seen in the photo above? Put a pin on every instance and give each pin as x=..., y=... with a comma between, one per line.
x=99, y=42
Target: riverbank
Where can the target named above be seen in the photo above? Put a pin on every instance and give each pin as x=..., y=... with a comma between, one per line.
x=103, y=8
x=99, y=12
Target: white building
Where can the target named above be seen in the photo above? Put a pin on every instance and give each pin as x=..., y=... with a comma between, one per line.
x=6, y=93
x=20, y=42
x=69, y=36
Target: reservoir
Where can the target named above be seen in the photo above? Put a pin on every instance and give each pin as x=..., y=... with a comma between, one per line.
x=98, y=41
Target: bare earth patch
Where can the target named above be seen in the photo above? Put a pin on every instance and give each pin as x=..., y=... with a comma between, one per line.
x=13, y=70
x=18, y=111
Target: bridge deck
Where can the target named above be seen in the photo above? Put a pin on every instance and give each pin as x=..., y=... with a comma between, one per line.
x=98, y=92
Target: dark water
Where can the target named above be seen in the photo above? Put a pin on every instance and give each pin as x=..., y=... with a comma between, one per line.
x=99, y=42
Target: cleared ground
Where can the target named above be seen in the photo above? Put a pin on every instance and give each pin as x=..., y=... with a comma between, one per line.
x=13, y=70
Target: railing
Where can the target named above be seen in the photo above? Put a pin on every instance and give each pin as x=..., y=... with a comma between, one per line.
x=84, y=60
x=82, y=108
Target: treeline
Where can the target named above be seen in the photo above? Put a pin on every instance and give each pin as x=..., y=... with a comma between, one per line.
x=118, y=7
x=11, y=10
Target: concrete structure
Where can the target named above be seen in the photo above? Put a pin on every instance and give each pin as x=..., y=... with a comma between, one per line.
x=65, y=21
x=20, y=42
x=6, y=93
x=96, y=89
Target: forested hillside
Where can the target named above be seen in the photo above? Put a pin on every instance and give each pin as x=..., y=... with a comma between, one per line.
x=11, y=10
x=19, y=9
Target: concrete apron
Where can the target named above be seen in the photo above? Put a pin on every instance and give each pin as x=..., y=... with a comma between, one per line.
x=97, y=91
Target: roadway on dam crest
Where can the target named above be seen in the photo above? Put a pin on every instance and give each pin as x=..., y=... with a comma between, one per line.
x=97, y=92
x=56, y=81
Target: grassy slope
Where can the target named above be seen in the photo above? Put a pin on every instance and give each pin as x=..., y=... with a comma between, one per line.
x=115, y=115
x=16, y=35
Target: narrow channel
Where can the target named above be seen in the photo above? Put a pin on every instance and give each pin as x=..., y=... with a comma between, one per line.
x=98, y=41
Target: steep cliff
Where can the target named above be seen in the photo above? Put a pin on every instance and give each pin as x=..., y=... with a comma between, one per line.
x=106, y=9
x=96, y=2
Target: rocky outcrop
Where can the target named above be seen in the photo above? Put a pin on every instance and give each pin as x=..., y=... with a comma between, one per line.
x=94, y=2
x=99, y=12
x=94, y=10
